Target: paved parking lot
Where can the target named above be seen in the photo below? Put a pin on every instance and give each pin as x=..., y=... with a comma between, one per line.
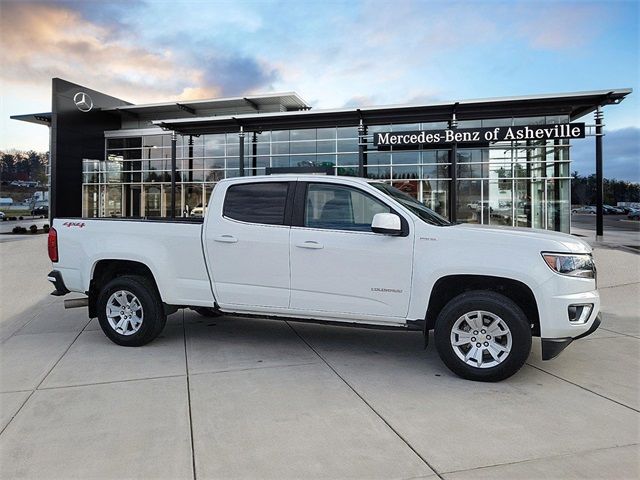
x=237, y=398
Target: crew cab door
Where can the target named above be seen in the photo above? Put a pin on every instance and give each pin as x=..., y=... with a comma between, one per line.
x=247, y=243
x=338, y=264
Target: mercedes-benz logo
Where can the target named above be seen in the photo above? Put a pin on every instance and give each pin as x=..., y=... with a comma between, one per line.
x=83, y=101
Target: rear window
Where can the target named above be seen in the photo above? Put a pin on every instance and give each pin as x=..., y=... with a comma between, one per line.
x=257, y=202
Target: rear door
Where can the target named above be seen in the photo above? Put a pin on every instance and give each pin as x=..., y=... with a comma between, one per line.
x=247, y=243
x=338, y=265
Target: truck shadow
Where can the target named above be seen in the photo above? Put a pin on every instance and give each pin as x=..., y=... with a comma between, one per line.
x=229, y=343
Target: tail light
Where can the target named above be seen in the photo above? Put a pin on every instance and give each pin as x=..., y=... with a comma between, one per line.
x=52, y=244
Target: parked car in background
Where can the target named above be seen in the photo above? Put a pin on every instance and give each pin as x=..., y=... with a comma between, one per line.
x=197, y=211
x=42, y=210
x=611, y=210
x=634, y=214
x=586, y=209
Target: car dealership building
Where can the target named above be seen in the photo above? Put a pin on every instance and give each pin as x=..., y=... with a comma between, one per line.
x=500, y=161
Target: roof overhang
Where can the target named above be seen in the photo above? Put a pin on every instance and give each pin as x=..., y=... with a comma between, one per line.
x=188, y=108
x=575, y=105
x=38, y=118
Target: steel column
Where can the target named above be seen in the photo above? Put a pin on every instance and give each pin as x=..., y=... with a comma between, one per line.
x=191, y=158
x=362, y=150
x=254, y=153
x=453, y=190
x=453, y=161
x=599, y=175
x=241, y=151
x=174, y=141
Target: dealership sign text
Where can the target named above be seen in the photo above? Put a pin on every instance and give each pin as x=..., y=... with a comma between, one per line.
x=479, y=135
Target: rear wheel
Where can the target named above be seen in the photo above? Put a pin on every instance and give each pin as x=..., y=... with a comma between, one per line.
x=483, y=336
x=130, y=311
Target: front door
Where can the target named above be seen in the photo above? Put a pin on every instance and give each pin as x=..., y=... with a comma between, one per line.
x=338, y=265
x=248, y=245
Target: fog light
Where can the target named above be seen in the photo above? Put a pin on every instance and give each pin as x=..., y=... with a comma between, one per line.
x=580, y=313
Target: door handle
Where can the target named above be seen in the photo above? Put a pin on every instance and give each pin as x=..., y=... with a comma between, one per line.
x=310, y=244
x=226, y=239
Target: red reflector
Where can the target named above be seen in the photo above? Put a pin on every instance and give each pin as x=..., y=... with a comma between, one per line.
x=52, y=244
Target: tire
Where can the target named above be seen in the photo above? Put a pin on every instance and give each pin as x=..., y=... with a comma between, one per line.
x=139, y=325
x=500, y=355
x=207, y=311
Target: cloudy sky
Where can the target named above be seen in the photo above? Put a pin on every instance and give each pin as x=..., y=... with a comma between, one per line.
x=333, y=53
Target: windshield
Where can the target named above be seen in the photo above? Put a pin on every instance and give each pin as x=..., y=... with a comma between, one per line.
x=407, y=201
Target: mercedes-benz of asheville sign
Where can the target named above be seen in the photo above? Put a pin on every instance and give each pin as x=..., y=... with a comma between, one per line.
x=478, y=135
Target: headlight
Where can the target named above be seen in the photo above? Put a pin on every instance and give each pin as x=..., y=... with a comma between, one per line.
x=581, y=265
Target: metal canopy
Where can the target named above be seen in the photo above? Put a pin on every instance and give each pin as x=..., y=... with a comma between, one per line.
x=39, y=118
x=188, y=108
x=575, y=105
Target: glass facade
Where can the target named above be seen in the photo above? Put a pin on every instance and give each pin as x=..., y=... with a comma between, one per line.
x=523, y=183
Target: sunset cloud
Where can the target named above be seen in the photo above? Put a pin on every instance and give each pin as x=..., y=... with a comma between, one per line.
x=40, y=41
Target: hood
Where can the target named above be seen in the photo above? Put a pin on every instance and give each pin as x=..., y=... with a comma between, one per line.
x=542, y=239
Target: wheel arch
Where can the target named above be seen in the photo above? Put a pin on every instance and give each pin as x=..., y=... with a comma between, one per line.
x=448, y=287
x=105, y=270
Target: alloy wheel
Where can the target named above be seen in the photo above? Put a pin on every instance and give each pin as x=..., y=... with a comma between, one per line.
x=481, y=339
x=124, y=312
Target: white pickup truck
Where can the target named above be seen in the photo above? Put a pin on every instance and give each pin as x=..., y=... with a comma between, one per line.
x=337, y=250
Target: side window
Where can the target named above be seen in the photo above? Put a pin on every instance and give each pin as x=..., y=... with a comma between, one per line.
x=257, y=202
x=340, y=208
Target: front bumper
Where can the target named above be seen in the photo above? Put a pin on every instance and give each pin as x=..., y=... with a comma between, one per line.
x=552, y=347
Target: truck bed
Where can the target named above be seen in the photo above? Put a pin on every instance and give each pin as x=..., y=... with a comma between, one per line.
x=170, y=248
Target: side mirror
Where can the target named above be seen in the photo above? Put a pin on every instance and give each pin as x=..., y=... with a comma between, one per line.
x=386, y=224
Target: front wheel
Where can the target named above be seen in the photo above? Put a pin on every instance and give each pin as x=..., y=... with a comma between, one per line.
x=483, y=336
x=130, y=311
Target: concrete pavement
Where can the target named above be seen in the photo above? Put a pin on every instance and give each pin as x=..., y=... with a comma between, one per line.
x=238, y=398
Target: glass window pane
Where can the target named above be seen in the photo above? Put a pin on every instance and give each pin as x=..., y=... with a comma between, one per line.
x=280, y=136
x=326, y=133
x=435, y=195
x=379, y=173
x=214, y=145
x=90, y=203
x=303, y=147
x=306, y=134
x=497, y=122
x=469, y=201
x=403, y=157
x=348, y=132
x=257, y=202
x=326, y=146
x=214, y=175
x=498, y=197
x=280, y=148
x=347, y=145
x=152, y=201
x=152, y=141
x=405, y=171
x=340, y=208
x=378, y=158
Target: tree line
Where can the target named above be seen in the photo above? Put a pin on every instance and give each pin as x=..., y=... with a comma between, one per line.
x=23, y=165
x=583, y=190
